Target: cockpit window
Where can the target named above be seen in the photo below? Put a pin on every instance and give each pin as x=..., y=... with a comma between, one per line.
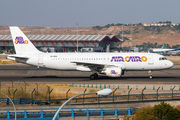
x=162, y=58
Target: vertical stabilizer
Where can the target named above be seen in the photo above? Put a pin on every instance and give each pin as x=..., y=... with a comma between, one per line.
x=21, y=43
x=162, y=46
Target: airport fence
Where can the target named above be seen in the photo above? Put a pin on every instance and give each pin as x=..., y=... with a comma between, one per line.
x=128, y=98
x=66, y=112
x=103, y=86
x=170, y=92
x=6, y=101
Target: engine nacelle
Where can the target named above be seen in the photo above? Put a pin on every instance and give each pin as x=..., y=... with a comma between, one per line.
x=114, y=71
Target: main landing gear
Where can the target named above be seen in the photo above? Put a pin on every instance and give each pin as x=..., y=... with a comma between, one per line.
x=94, y=76
x=150, y=74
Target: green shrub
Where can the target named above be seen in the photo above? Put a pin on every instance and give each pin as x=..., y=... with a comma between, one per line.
x=162, y=111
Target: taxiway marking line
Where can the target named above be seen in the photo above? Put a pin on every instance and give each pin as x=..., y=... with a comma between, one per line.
x=18, y=70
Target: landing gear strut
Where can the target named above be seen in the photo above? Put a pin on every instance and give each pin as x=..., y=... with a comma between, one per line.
x=94, y=76
x=150, y=74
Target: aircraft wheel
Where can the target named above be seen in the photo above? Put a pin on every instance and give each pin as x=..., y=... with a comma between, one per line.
x=92, y=77
x=150, y=77
x=95, y=75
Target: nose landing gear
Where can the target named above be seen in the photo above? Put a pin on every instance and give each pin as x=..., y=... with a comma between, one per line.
x=150, y=74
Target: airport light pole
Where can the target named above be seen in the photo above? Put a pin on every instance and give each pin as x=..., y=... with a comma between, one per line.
x=122, y=31
x=37, y=89
x=12, y=85
x=77, y=36
x=25, y=87
x=103, y=92
x=12, y=104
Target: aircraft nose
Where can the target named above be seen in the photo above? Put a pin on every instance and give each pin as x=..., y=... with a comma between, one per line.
x=170, y=64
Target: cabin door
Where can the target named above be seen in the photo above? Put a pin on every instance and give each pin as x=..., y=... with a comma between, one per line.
x=150, y=59
x=40, y=60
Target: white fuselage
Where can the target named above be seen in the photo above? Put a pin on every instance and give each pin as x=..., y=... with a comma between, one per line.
x=110, y=64
x=127, y=61
x=161, y=50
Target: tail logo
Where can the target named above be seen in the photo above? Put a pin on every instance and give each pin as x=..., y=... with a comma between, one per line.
x=20, y=40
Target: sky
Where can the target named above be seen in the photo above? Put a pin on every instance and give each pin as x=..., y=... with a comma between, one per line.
x=66, y=13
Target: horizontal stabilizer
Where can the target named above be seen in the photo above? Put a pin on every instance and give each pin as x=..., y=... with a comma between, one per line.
x=18, y=56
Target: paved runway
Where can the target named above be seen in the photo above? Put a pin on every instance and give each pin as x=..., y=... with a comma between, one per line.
x=32, y=74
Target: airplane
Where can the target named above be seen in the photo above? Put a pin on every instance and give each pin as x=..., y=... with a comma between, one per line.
x=110, y=64
x=162, y=50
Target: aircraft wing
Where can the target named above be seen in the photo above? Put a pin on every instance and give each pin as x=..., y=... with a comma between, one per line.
x=161, y=50
x=88, y=64
x=95, y=66
x=176, y=49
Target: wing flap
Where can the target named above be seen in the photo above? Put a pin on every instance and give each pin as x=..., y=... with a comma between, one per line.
x=88, y=64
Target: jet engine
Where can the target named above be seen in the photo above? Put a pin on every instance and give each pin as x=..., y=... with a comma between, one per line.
x=114, y=71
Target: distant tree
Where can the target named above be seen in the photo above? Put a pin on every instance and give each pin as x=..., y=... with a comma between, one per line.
x=149, y=45
x=146, y=113
x=177, y=27
x=98, y=27
x=119, y=24
x=155, y=44
x=1, y=51
x=162, y=111
x=147, y=28
x=140, y=23
x=112, y=24
x=12, y=51
x=158, y=29
x=175, y=46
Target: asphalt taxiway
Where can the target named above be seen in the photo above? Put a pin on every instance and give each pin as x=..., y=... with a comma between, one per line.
x=31, y=74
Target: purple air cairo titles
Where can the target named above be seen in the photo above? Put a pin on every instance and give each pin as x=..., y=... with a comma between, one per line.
x=20, y=40
x=129, y=59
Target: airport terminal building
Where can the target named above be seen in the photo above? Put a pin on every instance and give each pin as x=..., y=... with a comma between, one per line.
x=66, y=43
